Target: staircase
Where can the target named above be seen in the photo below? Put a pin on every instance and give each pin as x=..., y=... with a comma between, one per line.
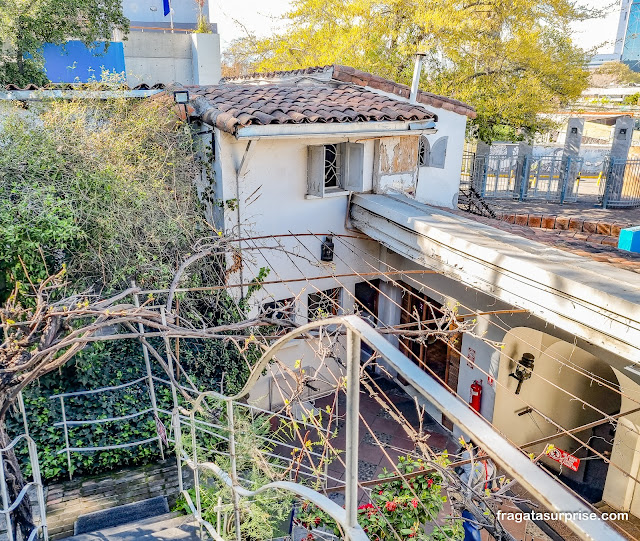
x=133, y=523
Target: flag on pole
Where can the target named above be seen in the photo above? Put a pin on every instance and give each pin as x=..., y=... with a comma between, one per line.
x=166, y=4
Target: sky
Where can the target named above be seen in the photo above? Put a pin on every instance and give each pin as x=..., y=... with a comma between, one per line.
x=263, y=17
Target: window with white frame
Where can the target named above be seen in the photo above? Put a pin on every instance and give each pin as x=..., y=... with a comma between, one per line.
x=335, y=168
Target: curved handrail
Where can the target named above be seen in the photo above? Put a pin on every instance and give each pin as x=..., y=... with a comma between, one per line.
x=18, y=499
x=15, y=441
x=330, y=507
x=517, y=465
x=208, y=526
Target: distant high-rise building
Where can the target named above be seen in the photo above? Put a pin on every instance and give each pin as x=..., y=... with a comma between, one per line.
x=627, y=44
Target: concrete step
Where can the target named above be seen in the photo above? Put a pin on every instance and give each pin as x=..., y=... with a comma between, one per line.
x=169, y=526
x=123, y=514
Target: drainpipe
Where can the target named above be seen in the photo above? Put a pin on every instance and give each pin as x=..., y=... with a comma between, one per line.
x=417, y=71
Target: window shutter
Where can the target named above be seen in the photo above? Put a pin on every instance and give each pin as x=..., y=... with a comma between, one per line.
x=439, y=153
x=352, y=168
x=315, y=170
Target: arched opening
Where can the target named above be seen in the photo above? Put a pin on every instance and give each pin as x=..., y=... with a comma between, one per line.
x=565, y=380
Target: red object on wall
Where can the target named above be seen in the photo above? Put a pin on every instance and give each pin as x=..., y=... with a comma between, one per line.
x=476, y=395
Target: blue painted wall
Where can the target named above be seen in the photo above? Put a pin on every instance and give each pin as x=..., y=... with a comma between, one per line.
x=74, y=62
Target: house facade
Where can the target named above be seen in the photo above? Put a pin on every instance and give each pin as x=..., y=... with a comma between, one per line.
x=346, y=190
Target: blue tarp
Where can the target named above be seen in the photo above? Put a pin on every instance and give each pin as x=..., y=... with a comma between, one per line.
x=75, y=62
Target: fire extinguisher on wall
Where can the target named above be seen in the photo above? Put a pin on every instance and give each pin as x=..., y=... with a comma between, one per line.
x=476, y=395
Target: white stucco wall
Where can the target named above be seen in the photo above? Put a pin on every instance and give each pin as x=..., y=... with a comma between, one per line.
x=440, y=186
x=272, y=201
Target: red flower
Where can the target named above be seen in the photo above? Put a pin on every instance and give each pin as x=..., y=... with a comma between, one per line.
x=380, y=492
x=317, y=520
x=414, y=502
x=390, y=506
x=430, y=483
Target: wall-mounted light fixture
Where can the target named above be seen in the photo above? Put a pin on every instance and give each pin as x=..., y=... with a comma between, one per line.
x=574, y=131
x=622, y=134
x=524, y=369
x=181, y=97
x=326, y=250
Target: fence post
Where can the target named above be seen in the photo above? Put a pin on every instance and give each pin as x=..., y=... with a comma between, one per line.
x=485, y=173
x=353, y=420
x=147, y=364
x=524, y=177
x=565, y=179
x=607, y=182
x=66, y=436
x=5, y=498
x=24, y=413
x=234, y=473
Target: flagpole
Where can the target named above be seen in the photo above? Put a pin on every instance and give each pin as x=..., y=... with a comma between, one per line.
x=171, y=16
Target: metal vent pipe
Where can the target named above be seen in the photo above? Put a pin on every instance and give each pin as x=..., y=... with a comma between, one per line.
x=417, y=71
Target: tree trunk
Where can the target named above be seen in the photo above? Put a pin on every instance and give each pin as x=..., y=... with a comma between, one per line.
x=22, y=517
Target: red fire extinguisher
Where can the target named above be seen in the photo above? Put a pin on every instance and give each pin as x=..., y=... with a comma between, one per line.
x=476, y=395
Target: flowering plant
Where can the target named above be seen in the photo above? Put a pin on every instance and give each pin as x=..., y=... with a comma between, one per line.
x=400, y=506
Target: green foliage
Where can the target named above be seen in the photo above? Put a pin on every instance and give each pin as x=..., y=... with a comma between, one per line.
x=102, y=364
x=262, y=516
x=512, y=59
x=614, y=74
x=105, y=186
x=397, y=509
x=26, y=26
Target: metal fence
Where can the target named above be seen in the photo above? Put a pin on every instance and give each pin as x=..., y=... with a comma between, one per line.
x=621, y=186
x=547, y=178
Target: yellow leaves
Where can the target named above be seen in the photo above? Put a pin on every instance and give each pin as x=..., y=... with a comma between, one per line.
x=10, y=322
x=297, y=364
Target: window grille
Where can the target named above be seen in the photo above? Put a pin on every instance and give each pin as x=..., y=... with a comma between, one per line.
x=324, y=304
x=331, y=166
x=423, y=152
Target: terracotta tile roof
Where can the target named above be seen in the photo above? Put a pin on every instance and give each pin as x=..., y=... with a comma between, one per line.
x=84, y=86
x=602, y=248
x=233, y=106
x=347, y=74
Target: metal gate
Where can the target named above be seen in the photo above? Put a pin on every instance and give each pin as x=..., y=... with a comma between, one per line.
x=621, y=186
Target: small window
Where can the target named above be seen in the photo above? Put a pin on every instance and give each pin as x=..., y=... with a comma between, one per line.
x=324, y=304
x=439, y=153
x=335, y=168
x=423, y=152
x=331, y=166
x=283, y=309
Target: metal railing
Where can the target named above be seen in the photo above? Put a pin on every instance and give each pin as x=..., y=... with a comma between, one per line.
x=517, y=465
x=9, y=507
x=547, y=178
x=621, y=186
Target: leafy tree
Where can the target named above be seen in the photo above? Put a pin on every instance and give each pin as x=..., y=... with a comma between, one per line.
x=613, y=74
x=512, y=59
x=103, y=186
x=26, y=26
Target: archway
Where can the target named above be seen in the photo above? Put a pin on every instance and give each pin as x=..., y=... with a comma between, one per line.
x=565, y=380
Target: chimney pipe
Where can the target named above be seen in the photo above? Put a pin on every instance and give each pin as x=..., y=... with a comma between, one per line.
x=417, y=71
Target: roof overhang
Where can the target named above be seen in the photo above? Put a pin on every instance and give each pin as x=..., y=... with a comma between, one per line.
x=341, y=129
x=588, y=299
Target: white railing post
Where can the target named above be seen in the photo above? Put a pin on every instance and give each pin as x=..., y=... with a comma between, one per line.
x=177, y=438
x=353, y=420
x=196, y=474
x=66, y=436
x=167, y=345
x=147, y=364
x=5, y=499
x=234, y=472
x=37, y=479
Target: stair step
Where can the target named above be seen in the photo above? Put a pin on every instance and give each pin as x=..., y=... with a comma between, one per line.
x=167, y=526
x=123, y=514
